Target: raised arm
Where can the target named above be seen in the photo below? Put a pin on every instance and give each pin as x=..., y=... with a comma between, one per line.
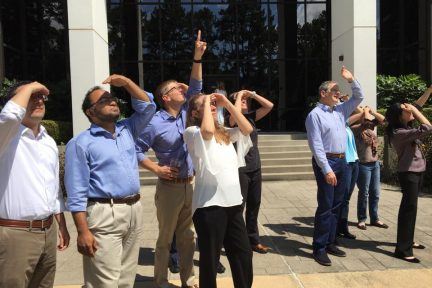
x=266, y=105
x=237, y=105
x=244, y=125
x=416, y=113
x=207, y=125
x=199, y=50
x=14, y=111
x=423, y=99
x=133, y=89
x=378, y=116
x=356, y=117
x=357, y=93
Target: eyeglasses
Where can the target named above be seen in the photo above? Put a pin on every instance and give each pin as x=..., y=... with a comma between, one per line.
x=175, y=87
x=105, y=99
x=334, y=90
x=38, y=97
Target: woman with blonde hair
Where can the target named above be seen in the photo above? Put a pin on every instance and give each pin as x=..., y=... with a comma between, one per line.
x=217, y=198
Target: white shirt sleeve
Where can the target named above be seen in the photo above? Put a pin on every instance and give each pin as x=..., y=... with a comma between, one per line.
x=244, y=143
x=199, y=149
x=10, y=120
x=60, y=203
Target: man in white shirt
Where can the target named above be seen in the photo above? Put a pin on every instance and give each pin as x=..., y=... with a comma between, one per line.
x=30, y=194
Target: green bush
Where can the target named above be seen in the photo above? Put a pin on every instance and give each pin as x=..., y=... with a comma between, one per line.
x=3, y=89
x=59, y=130
x=405, y=88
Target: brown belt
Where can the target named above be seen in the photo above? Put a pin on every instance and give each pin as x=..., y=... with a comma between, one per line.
x=335, y=155
x=35, y=224
x=179, y=180
x=126, y=200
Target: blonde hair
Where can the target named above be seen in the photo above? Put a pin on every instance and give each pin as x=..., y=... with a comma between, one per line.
x=221, y=134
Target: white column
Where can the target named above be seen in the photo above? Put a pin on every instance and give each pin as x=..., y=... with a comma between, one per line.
x=88, y=47
x=354, y=37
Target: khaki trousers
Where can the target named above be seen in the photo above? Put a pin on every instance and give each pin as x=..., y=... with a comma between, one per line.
x=174, y=213
x=117, y=229
x=27, y=258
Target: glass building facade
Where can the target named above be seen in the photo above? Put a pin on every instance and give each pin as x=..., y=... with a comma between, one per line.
x=279, y=48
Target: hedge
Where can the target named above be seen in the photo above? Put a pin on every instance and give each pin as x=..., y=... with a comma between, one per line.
x=59, y=130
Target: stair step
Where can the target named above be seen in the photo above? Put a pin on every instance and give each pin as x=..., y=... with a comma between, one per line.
x=271, y=142
x=283, y=148
x=287, y=168
x=288, y=176
x=290, y=136
x=285, y=154
x=286, y=161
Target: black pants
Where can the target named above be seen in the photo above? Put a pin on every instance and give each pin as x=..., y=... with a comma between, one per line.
x=223, y=226
x=251, y=183
x=411, y=183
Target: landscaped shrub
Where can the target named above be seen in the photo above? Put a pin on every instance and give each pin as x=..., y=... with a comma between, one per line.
x=59, y=130
x=405, y=88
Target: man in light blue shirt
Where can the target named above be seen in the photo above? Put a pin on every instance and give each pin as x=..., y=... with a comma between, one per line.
x=102, y=183
x=327, y=139
x=175, y=171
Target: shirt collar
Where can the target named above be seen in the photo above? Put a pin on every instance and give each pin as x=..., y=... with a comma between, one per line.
x=25, y=130
x=165, y=115
x=95, y=129
x=325, y=107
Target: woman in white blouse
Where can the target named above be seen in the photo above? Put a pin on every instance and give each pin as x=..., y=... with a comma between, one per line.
x=217, y=199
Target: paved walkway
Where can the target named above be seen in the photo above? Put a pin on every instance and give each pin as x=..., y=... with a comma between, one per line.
x=286, y=225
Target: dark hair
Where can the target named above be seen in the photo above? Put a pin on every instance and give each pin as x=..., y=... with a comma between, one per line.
x=12, y=89
x=392, y=117
x=86, y=104
x=161, y=90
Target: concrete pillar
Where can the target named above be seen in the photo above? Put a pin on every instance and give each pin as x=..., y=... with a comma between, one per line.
x=354, y=44
x=88, y=47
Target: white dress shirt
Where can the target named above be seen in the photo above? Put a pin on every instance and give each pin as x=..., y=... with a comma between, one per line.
x=216, y=166
x=29, y=169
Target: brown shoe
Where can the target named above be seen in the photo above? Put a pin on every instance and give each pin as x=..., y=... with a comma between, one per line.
x=260, y=248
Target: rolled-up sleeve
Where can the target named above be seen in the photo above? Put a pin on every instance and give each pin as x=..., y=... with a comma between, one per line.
x=357, y=97
x=77, y=177
x=195, y=87
x=10, y=119
x=144, y=112
x=316, y=144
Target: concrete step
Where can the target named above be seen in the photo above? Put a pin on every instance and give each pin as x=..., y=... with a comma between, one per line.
x=286, y=154
x=148, y=180
x=287, y=168
x=283, y=148
x=288, y=136
x=271, y=142
x=288, y=176
x=286, y=161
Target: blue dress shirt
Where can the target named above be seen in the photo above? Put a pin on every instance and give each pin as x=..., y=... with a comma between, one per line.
x=164, y=135
x=325, y=127
x=100, y=165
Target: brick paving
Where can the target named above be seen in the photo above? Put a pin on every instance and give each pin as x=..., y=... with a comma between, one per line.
x=286, y=225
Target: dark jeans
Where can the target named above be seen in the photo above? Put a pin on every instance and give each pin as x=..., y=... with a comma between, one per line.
x=368, y=183
x=329, y=200
x=223, y=226
x=250, y=183
x=351, y=175
x=411, y=184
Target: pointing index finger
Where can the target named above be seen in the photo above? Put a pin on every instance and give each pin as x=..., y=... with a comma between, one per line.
x=199, y=36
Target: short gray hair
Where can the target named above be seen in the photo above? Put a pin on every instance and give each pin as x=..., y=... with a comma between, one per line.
x=325, y=86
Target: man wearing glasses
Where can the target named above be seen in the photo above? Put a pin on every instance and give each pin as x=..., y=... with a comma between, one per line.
x=175, y=170
x=30, y=194
x=327, y=139
x=102, y=183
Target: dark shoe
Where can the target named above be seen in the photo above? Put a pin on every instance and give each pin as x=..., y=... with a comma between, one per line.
x=334, y=250
x=418, y=246
x=322, y=258
x=379, y=224
x=220, y=268
x=410, y=260
x=260, y=248
x=173, y=265
x=361, y=225
x=347, y=235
